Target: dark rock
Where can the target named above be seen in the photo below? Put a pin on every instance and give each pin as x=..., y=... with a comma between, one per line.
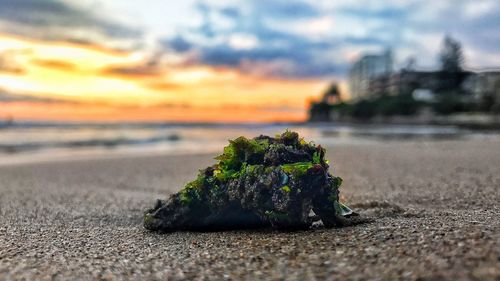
x=258, y=182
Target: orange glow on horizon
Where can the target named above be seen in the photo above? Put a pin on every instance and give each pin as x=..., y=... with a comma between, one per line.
x=97, y=113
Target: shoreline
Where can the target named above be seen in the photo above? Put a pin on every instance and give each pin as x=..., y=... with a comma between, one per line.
x=19, y=146
x=464, y=124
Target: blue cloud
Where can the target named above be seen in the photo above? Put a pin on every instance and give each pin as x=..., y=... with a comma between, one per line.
x=286, y=9
x=178, y=43
x=230, y=12
x=274, y=45
x=293, y=49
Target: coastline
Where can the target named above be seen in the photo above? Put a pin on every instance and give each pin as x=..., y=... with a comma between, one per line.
x=434, y=204
x=473, y=122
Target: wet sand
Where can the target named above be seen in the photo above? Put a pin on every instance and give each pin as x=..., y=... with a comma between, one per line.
x=435, y=207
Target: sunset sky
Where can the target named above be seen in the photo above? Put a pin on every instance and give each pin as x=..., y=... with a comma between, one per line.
x=217, y=60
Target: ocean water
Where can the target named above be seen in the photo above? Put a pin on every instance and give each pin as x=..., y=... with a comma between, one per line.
x=30, y=141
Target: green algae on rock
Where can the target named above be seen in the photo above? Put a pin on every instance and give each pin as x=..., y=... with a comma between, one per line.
x=259, y=182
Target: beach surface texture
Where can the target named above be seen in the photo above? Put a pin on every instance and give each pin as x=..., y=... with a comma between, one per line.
x=434, y=204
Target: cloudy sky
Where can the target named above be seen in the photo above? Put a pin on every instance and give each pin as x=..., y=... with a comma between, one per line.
x=216, y=60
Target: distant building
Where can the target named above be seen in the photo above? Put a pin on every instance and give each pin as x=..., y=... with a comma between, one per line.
x=367, y=68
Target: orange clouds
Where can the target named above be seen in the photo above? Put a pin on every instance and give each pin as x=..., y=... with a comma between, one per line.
x=107, y=85
x=55, y=64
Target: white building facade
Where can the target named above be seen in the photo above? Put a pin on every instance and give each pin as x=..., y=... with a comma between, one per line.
x=367, y=68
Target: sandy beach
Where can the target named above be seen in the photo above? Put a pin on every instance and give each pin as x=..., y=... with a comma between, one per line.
x=435, y=209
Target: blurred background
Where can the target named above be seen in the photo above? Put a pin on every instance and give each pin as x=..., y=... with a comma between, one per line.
x=101, y=77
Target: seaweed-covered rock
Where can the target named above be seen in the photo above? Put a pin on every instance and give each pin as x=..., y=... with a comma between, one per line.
x=256, y=182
